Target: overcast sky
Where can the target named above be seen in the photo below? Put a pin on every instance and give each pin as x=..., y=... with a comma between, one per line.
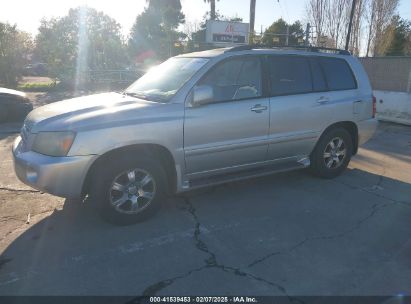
x=28, y=13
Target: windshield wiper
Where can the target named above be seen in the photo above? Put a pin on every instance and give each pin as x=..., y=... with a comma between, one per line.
x=149, y=97
x=137, y=95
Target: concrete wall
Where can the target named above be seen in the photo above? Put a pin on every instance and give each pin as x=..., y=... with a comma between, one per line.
x=393, y=106
x=390, y=79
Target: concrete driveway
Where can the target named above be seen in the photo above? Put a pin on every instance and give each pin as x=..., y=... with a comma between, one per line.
x=286, y=234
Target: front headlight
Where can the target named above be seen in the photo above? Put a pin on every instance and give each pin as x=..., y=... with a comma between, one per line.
x=53, y=143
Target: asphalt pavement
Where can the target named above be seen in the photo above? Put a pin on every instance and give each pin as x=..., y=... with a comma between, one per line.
x=286, y=234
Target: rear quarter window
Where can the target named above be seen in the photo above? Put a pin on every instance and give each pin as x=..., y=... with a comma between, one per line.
x=338, y=74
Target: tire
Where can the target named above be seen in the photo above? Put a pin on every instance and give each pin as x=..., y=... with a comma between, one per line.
x=114, y=193
x=329, y=162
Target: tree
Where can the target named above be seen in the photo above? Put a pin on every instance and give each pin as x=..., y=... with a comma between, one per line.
x=370, y=16
x=400, y=33
x=336, y=21
x=15, y=48
x=330, y=19
x=155, y=29
x=379, y=14
x=317, y=13
x=84, y=39
x=169, y=10
x=212, y=9
x=356, y=32
x=279, y=30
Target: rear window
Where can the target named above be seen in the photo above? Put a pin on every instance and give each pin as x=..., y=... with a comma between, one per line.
x=290, y=75
x=338, y=74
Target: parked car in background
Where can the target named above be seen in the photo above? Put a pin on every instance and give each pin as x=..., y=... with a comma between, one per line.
x=36, y=69
x=14, y=105
x=196, y=120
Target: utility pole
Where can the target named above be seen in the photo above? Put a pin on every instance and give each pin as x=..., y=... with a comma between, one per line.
x=288, y=34
x=212, y=10
x=347, y=42
x=252, y=20
x=307, y=34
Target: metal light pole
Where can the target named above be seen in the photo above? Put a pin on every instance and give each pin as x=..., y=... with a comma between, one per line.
x=347, y=42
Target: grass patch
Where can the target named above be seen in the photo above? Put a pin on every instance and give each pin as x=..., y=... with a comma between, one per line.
x=37, y=87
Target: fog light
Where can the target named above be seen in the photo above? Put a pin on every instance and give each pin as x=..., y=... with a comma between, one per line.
x=31, y=175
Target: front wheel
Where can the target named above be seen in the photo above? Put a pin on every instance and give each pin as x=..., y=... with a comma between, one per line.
x=128, y=191
x=332, y=153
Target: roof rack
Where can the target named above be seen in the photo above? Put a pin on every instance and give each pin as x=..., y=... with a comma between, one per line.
x=296, y=47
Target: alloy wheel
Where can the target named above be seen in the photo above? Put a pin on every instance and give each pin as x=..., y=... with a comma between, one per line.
x=334, y=153
x=132, y=191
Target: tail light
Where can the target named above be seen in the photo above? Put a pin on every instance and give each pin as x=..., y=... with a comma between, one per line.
x=374, y=106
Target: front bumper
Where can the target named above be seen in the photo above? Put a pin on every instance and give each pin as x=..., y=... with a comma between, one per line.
x=366, y=130
x=60, y=176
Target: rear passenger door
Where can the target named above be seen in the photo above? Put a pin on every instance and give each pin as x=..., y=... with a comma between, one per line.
x=344, y=99
x=298, y=93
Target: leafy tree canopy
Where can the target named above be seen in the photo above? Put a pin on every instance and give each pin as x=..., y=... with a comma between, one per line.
x=84, y=39
x=400, y=44
x=278, y=30
x=15, y=49
x=155, y=30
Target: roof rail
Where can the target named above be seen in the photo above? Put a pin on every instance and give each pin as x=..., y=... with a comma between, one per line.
x=245, y=47
x=295, y=47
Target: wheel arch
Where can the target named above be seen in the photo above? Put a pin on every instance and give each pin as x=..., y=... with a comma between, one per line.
x=351, y=128
x=154, y=151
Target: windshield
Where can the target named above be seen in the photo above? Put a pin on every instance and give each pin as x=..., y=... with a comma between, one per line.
x=162, y=82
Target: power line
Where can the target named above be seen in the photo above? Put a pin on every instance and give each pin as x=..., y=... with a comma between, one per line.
x=285, y=9
x=282, y=10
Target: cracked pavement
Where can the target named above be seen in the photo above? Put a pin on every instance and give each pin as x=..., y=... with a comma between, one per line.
x=288, y=234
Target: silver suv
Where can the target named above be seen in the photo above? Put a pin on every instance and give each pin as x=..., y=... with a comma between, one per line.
x=196, y=120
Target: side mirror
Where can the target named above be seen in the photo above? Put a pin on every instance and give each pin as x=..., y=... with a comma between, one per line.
x=202, y=94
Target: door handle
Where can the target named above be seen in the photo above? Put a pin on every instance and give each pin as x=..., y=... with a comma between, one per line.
x=323, y=100
x=258, y=108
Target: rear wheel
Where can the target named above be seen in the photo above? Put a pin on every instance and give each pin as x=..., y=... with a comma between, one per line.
x=129, y=190
x=332, y=153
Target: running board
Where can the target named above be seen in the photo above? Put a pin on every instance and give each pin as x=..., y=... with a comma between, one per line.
x=241, y=175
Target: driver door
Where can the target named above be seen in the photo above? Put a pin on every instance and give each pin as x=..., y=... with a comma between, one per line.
x=230, y=131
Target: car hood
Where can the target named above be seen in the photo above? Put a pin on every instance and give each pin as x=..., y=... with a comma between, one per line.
x=89, y=112
x=5, y=91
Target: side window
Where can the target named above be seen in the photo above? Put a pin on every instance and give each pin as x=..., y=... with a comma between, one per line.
x=319, y=84
x=290, y=75
x=338, y=74
x=238, y=78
